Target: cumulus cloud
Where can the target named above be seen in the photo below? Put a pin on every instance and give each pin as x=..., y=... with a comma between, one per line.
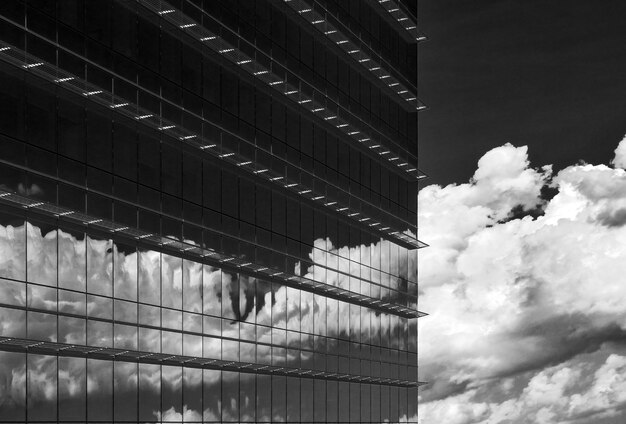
x=572, y=392
x=518, y=298
x=620, y=155
x=187, y=415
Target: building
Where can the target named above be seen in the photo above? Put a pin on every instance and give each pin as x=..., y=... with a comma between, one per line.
x=208, y=211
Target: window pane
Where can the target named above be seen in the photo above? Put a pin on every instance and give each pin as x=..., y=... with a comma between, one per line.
x=72, y=260
x=13, y=392
x=42, y=387
x=171, y=390
x=149, y=391
x=72, y=389
x=192, y=286
x=125, y=271
x=149, y=278
x=171, y=278
x=13, y=242
x=41, y=253
x=126, y=384
x=99, y=266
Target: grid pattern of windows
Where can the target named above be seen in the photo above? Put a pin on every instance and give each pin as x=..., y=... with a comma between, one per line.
x=352, y=45
x=263, y=129
x=362, y=18
x=131, y=392
x=400, y=18
x=179, y=242
x=303, y=51
x=127, y=166
x=93, y=291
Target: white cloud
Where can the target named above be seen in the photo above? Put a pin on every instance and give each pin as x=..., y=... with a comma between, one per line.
x=620, y=155
x=187, y=415
x=567, y=393
x=607, y=392
x=509, y=296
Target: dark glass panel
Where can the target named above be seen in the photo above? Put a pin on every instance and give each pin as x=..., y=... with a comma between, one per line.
x=124, y=151
x=385, y=412
x=313, y=400
x=263, y=206
x=171, y=166
x=247, y=198
x=212, y=187
x=332, y=402
x=40, y=122
x=170, y=54
x=293, y=399
x=192, y=178
x=230, y=202
x=149, y=161
x=375, y=404
x=12, y=107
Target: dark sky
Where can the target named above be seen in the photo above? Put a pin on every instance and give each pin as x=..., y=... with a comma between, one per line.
x=550, y=74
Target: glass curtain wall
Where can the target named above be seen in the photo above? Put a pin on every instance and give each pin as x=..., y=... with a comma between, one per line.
x=256, y=304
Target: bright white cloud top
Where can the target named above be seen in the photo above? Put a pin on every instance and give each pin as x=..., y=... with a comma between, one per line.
x=526, y=296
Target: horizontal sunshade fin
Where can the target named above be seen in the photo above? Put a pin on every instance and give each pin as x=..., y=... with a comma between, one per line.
x=355, y=49
x=394, y=11
x=123, y=355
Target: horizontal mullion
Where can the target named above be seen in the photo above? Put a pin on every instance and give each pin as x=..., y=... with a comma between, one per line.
x=184, y=332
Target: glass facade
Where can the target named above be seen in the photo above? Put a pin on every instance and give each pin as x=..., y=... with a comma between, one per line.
x=207, y=212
